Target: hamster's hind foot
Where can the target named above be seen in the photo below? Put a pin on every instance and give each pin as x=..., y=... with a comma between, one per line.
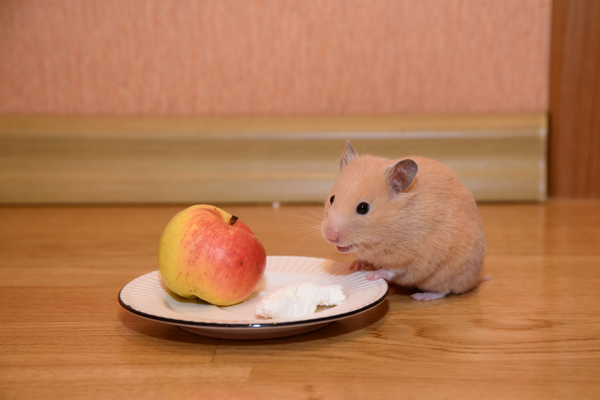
x=427, y=296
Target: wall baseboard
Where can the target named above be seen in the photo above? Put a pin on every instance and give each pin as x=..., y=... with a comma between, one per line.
x=133, y=160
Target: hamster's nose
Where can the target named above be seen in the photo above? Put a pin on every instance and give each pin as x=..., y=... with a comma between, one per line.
x=332, y=235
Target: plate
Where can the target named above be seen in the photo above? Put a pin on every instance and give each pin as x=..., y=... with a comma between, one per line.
x=148, y=297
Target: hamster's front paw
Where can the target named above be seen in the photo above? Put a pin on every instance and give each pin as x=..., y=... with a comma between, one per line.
x=358, y=265
x=380, y=274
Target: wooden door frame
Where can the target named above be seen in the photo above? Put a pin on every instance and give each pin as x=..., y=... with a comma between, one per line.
x=574, y=147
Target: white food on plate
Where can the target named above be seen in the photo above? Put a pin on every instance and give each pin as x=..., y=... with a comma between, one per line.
x=298, y=300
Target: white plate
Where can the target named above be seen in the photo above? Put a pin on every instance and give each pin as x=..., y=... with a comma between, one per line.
x=148, y=297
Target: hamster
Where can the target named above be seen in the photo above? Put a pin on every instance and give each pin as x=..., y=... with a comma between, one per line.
x=409, y=221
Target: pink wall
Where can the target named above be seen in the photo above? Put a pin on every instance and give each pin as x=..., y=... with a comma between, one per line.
x=176, y=57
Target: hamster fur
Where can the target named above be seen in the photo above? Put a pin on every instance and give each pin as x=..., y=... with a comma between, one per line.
x=422, y=227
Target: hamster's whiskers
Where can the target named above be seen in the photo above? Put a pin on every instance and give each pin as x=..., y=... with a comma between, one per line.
x=309, y=234
x=365, y=244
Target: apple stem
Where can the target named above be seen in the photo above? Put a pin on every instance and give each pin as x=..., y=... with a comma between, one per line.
x=233, y=220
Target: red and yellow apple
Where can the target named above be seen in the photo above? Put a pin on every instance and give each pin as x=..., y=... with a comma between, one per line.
x=207, y=253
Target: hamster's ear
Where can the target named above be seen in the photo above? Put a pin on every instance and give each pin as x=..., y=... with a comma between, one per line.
x=402, y=174
x=348, y=155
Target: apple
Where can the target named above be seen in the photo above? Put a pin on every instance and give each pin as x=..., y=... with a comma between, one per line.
x=208, y=253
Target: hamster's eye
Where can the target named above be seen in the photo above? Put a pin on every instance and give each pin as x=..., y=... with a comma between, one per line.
x=362, y=208
x=331, y=199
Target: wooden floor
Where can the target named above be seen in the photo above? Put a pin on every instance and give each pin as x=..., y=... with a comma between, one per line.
x=531, y=332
